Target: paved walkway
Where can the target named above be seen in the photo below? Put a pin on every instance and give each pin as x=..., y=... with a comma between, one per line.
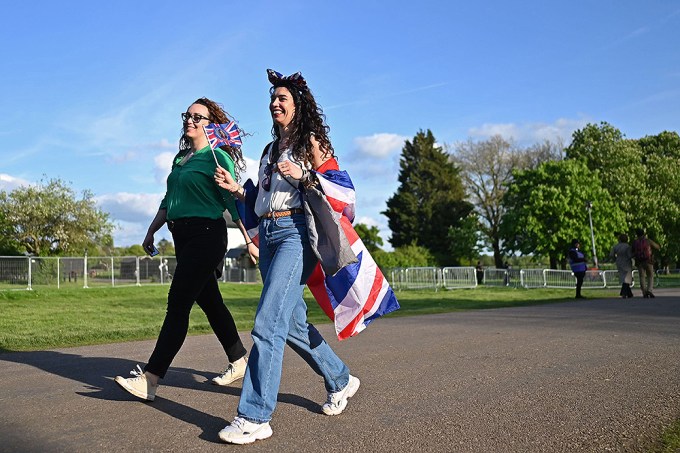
x=594, y=375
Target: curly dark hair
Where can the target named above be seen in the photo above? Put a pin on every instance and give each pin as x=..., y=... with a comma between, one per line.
x=217, y=114
x=308, y=120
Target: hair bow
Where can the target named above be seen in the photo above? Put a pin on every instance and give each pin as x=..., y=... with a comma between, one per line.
x=295, y=79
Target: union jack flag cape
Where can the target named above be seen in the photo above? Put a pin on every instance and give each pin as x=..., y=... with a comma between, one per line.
x=359, y=292
x=223, y=135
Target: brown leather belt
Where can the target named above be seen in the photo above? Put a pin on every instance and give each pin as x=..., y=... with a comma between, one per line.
x=277, y=214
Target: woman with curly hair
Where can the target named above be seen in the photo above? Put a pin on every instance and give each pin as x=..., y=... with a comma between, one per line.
x=192, y=207
x=300, y=144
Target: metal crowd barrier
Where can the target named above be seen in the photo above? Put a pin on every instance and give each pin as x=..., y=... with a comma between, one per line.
x=18, y=272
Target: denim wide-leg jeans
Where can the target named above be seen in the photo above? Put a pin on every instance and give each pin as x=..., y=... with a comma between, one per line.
x=286, y=262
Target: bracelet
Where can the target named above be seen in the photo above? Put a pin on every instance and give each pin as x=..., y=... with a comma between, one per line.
x=248, y=243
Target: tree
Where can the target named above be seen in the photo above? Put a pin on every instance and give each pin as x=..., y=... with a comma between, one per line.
x=405, y=256
x=464, y=240
x=165, y=247
x=545, y=210
x=8, y=245
x=642, y=175
x=47, y=219
x=486, y=168
x=430, y=199
x=370, y=236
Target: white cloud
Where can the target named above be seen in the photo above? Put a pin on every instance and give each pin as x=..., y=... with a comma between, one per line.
x=131, y=214
x=162, y=165
x=369, y=221
x=530, y=133
x=130, y=207
x=8, y=182
x=380, y=145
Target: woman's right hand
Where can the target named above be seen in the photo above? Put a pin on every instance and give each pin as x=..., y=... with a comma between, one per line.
x=224, y=179
x=147, y=244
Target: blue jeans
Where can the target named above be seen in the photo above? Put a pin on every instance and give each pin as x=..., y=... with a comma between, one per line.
x=286, y=262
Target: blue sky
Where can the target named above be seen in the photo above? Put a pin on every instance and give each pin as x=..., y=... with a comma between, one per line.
x=92, y=93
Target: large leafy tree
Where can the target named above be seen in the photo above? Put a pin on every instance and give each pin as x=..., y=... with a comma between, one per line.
x=487, y=167
x=9, y=246
x=642, y=175
x=604, y=149
x=49, y=219
x=430, y=199
x=546, y=209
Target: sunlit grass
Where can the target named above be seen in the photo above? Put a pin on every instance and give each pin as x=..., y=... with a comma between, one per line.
x=52, y=318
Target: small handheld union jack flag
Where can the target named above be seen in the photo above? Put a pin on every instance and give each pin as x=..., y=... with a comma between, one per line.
x=223, y=134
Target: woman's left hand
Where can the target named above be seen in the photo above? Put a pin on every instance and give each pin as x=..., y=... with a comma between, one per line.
x=287, y=168
x=253, y=252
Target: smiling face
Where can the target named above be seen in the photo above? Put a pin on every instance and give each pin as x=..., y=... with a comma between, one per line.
x=194, y=130
x=282, y=107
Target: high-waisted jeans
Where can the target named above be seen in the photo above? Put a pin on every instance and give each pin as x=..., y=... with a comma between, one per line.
x=200, y=245
x=286, y=262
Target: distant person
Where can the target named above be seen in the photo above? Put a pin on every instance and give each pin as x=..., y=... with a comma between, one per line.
x=192, y=207
x=623, y=254
x=644, y=260
x=577, y=261
x=479, y=271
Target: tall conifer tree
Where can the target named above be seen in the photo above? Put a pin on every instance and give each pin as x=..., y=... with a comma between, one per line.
x=430, y=199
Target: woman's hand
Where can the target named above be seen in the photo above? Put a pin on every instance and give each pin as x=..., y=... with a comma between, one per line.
x=288, y=168
x=147, y=244
x=224, y=179
x=253, y=251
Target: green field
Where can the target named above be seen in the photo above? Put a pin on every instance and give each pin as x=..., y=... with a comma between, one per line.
x=51, y=318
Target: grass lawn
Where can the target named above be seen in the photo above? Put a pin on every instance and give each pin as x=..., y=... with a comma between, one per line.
x=55, y=318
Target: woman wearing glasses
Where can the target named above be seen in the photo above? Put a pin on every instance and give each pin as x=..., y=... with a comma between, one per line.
x=193, y=206
x=286, y=262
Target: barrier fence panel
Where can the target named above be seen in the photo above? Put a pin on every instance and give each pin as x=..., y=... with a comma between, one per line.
x=240, y=275
x=420, y=278
x=532, y=278
x=555, y=278
x=611, y=278
x=19, y=272
x=667, y=278
x=14, y=273
x=495, y=277
x=126, y=270
x=459, y=277
x=594, y=279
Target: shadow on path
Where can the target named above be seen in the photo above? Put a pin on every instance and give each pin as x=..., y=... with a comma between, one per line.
x=96, y=375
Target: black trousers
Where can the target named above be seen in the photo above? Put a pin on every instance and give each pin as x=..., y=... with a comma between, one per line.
x=579, y=281
x=200, y=245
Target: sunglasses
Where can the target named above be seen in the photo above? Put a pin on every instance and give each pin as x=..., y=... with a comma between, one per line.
x=267, y=180
x=194, y=117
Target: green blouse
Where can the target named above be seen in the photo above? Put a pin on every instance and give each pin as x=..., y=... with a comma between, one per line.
x=192, y=191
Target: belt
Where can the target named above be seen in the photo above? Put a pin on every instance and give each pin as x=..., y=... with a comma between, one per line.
x=287, y=213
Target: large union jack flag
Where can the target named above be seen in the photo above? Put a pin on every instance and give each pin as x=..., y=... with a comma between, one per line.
x=359, y=292
x=223, y=134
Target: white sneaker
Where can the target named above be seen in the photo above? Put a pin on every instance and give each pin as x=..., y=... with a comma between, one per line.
x=337, y=402
x=138, y=385
x=234, y=372
x=241, y=431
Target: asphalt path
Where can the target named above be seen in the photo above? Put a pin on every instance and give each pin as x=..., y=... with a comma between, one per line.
x=583, y=376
